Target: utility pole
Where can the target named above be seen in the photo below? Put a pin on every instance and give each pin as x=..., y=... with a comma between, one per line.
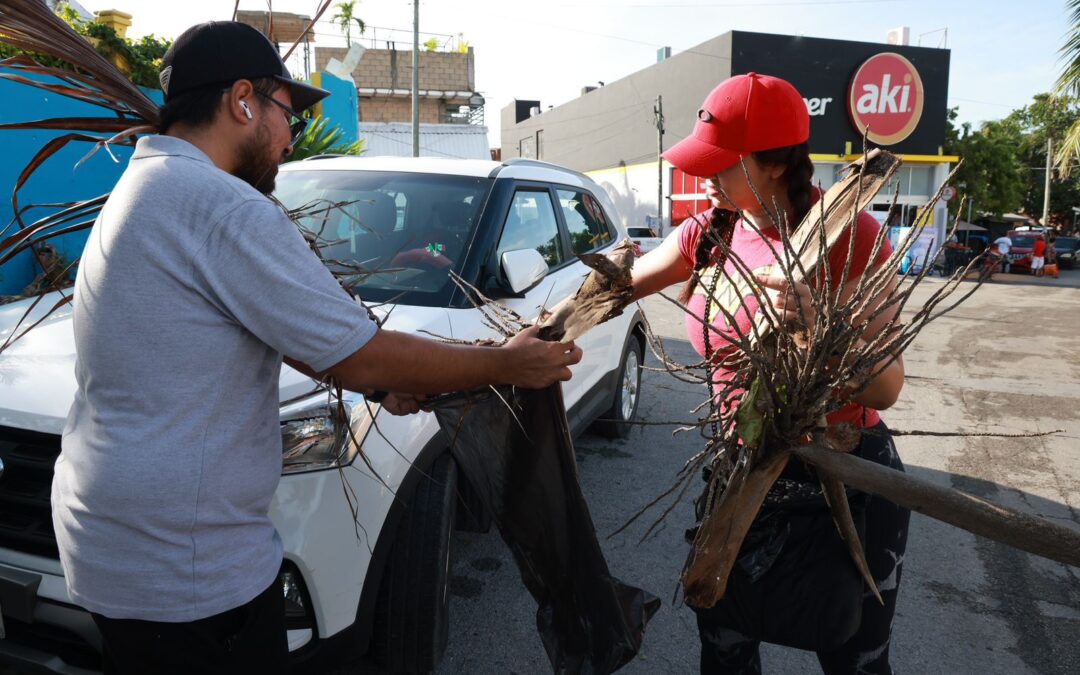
x=658, y=111
x=1046, y=190
x=416, y=79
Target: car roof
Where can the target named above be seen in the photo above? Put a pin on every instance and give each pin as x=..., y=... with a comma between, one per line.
x=479, y=168
x=523, y=169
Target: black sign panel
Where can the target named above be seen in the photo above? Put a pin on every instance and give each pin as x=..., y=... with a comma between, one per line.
x=822, y=70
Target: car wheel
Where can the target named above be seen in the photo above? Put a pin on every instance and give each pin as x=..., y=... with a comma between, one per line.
x=411, y=618
x=615, y=423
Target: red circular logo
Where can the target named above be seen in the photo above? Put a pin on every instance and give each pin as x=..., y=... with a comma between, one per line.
x=885, y=98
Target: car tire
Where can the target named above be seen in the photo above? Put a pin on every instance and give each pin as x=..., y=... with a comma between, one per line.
x=615, y=423
x=411, y=619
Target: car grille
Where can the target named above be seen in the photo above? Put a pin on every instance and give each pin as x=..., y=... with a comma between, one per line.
x=25, y=511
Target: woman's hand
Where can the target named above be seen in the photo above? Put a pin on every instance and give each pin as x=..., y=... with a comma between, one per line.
x=791, y=303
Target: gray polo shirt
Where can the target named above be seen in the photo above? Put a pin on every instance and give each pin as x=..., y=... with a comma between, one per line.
x=191, y=288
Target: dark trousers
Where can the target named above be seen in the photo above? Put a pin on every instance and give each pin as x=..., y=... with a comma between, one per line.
x=728, y=652
x=247, y=639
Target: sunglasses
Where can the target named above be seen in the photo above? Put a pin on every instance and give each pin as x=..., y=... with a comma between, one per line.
x=297, y=124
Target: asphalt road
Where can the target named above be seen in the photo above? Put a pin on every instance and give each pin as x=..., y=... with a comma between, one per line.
x=1004, y=361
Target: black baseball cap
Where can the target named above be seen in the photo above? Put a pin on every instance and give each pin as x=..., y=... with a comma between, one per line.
x=222, y=52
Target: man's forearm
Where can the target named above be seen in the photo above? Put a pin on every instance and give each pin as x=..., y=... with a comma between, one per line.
x=401, y=362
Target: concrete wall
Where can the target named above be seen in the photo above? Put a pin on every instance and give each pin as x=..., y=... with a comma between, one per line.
x=56, y=181
x=633, y=189
x=392, y=69
x=614, y=125
x=399, y=109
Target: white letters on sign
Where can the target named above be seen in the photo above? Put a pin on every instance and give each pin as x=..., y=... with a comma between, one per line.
x=880, y=99
x=816, y=106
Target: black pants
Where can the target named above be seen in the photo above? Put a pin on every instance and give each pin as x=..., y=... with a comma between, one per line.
x=728, y=652
x=248, y=639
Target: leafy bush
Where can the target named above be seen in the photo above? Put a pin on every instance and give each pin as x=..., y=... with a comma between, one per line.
x=322, y=139
x=142, y=57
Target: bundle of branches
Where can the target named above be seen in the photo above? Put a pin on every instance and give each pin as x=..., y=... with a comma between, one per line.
x=783, y=381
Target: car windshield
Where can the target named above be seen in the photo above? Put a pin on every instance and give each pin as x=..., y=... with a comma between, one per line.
x=1023, y=242
x=394, y=236
x=640, y=232
x=1066, y=243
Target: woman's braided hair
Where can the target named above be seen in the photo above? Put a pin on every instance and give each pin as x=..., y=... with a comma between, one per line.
x=798, y=174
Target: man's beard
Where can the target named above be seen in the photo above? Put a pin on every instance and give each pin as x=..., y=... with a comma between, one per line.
x=256, y=165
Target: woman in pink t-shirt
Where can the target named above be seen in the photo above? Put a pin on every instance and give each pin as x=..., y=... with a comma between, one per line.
x=794, y=583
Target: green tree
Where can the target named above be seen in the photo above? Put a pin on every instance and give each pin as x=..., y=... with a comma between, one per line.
x=1054, y=116
x=346, y=16
x=1068, y=84
x=990, y=172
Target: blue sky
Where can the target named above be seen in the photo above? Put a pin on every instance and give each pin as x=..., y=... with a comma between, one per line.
x=1002, y=52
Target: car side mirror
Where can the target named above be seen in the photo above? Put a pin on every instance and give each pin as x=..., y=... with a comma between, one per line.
x=523, y=268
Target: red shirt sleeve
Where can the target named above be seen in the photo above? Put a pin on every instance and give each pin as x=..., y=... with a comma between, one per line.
x=690, y=234
x=866, y=232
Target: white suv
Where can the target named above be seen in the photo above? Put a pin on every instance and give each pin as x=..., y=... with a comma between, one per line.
x=366, y=557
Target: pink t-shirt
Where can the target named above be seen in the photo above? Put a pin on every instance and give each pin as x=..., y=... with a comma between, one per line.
x=754, y=251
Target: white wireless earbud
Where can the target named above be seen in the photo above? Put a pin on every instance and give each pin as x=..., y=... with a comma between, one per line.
x=245, y=108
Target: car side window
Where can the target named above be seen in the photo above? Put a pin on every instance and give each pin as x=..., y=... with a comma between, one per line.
x=531, y=224
x=585, y=220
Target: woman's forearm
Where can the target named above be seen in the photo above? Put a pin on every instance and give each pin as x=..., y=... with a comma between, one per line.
x=885, y=385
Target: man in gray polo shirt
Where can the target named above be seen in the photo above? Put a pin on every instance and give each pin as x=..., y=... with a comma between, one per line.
x=192, y=289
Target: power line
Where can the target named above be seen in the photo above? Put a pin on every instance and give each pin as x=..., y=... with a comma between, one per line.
x=622, y=119
x=971, y=100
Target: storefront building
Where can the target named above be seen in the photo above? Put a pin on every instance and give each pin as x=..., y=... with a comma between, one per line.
x=896, y=93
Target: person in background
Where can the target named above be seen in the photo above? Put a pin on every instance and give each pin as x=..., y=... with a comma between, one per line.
x=1003, y=244
x=1038, y=255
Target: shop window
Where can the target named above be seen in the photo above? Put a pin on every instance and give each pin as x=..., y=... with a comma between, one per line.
x=921, y=181
x=826, y=175
x=455, y=113
x=585, y=221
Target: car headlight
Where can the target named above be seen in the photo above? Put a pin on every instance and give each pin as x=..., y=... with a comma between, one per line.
x=315, y=432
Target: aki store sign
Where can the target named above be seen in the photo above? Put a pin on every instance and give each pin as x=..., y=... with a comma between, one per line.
x=898, y=93
x=885, y=98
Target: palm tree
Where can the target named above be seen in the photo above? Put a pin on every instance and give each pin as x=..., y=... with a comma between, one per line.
x=345, y=19
x=1068, y=84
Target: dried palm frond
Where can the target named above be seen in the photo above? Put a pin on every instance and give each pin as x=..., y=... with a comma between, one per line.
x=31, y=26
x=88, y=77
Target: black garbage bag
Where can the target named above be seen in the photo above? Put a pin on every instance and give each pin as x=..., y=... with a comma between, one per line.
x=515, y=448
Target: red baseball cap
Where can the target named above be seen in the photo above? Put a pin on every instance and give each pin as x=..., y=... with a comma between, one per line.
x=744, y=114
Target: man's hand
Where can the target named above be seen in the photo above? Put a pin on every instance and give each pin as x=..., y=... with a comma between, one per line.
x=402, y=404
x=535, y=363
